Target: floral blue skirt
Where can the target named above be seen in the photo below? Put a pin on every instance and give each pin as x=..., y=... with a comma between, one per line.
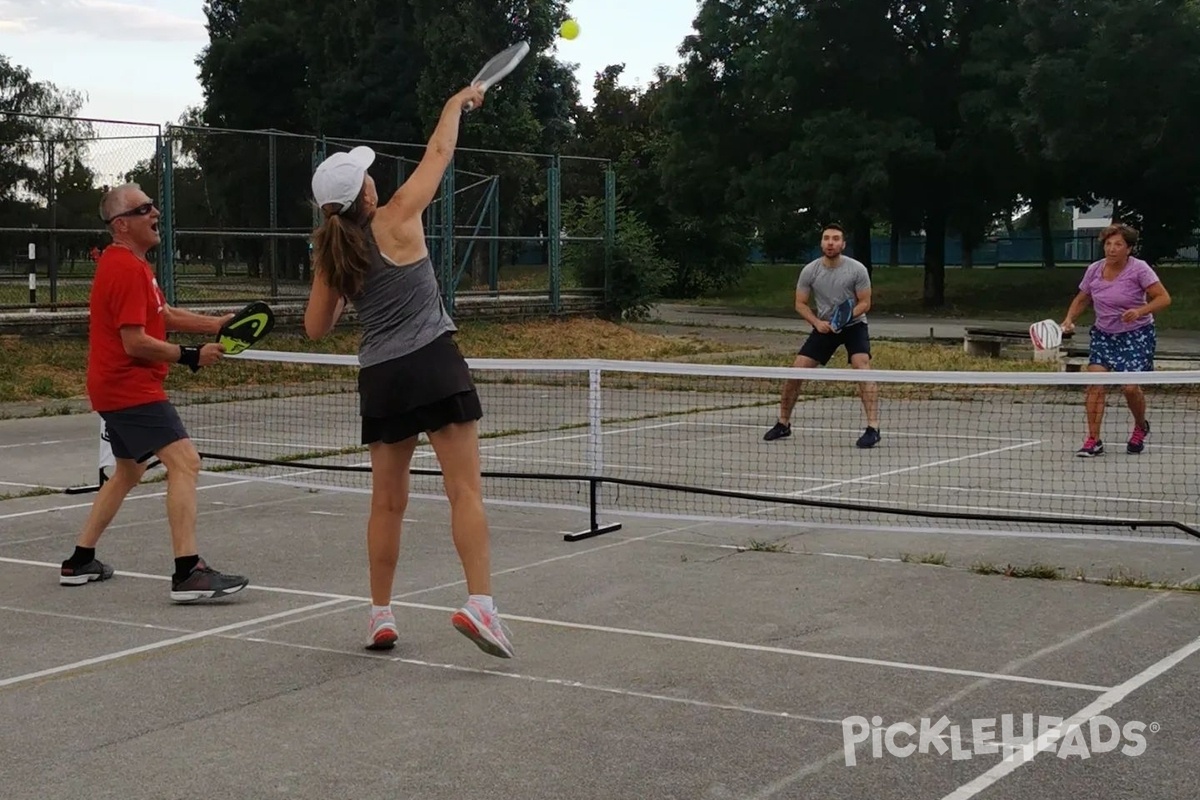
x=1131, y=351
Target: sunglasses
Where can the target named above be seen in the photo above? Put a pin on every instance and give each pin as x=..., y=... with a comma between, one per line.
x=138, y=211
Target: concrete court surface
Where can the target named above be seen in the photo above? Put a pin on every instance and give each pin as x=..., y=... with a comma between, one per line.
x=664, y=660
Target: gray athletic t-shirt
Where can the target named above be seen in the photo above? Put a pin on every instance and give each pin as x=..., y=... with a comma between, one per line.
x=831, y=285
x=399, y=308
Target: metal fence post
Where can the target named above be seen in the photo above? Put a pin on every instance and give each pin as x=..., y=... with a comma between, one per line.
x=610, y=226
x=273, y=214
x=166, y=223
x=554, y=231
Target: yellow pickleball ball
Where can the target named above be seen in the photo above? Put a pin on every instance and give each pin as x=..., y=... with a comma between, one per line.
x=569, y=29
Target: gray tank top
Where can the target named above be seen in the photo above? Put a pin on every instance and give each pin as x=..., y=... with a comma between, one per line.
x=399, y=308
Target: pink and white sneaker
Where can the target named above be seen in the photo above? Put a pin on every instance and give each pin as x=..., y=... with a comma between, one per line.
x=484, y=628
x=383, y=632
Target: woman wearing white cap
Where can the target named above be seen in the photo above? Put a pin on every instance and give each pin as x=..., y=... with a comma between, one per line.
x=412, y=376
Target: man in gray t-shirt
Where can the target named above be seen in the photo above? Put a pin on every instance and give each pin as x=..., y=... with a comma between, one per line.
x=831, y=280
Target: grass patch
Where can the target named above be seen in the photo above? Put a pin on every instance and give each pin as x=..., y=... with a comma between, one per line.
x=1003, y=293
x=38, y=491
x=1034, y=570
x=900, y=356
x=764, y=547
x=54, y=368
x=933, y=559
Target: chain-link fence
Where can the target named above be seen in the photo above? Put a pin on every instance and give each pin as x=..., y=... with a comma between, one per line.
x=237, y=214
x=53, y=171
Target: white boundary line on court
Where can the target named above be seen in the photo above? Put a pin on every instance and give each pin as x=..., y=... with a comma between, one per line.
x=901, y=470
x=1098, y=706
x=938, y=707
x=562, y=682
x=31, y=486
x=146, y=648
x=130, y=498
x=606, y=629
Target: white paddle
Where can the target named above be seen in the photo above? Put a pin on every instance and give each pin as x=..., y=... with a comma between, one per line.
x=1045, y=335
x=499, y=66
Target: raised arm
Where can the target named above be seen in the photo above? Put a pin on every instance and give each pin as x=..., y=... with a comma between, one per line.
x=415, y=195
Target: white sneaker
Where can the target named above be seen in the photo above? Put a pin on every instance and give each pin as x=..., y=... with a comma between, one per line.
x=383, y=631
x=484, y=629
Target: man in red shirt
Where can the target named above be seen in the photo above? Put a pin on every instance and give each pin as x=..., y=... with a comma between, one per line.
x=128, y=360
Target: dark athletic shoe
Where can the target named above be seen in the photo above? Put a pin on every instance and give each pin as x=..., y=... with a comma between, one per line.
x=870, y=438
x=77, y=576
x=780, y=431
x=205, y=583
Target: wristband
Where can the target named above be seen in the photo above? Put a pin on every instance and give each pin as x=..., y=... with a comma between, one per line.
x=190, y=355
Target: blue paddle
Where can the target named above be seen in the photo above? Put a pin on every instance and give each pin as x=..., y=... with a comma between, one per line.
x=842, y=315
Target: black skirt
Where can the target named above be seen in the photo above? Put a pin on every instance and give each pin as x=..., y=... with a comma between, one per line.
x=417, y=393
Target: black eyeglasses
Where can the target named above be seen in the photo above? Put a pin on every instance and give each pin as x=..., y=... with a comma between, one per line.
x=138, y=211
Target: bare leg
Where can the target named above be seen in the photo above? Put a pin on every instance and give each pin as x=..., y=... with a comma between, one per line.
x=1095, y=404
x=791, y=390
x=389, y=499
x=1136, y=399
x=869, y=392
x=127, y=474
x=183, y=468
x=457, y=448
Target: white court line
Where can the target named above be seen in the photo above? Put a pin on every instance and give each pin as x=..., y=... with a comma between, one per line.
x=1098, y=706
x=586, y=434
x=1004, y=509
x=155, y=521
x=655, y=635
x=940, y=463
x=902, y=530
x=146, y=648
x=127, y=499
x=590, y=687
x=40, y=444
x=289, y=444
x=31, y=485
x=949, y=700
x=890, y=432
x=1027, y=493
x=81, y=618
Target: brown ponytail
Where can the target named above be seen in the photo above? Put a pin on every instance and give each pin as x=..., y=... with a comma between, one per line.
x=340, y=252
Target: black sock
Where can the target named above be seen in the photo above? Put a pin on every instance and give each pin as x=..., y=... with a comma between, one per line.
x=185, y=565
x=81, y=556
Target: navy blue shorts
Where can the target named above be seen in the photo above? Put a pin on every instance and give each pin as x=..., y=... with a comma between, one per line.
x=140, y=432
x=820, y=347
x=1131, y=351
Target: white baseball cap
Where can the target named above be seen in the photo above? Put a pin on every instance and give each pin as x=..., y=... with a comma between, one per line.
x=339, y=178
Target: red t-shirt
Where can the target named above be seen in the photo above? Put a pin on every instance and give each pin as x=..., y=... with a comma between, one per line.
x=124, y=292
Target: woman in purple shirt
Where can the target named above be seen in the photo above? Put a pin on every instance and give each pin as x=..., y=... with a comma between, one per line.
x=1125, y=293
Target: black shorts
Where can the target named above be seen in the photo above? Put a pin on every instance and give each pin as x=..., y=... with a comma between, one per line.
x=821, y=346
x=142, y=431
x=417, y=393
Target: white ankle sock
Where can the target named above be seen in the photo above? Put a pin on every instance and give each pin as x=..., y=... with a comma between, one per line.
x=380, y=609
x=484, y=600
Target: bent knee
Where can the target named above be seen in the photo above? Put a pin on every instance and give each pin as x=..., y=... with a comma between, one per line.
x=180, y=459
x=463, y=490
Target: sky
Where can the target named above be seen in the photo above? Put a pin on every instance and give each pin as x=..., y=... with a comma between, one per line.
x=134, y=60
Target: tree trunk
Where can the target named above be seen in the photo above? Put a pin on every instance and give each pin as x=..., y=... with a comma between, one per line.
x=894, y=248
x=968, y=254
x=861, y=240
x=1042, y=207
x=935, y=258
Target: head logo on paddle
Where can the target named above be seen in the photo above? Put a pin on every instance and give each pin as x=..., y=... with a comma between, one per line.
x=842, y=315
x=247, y=328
